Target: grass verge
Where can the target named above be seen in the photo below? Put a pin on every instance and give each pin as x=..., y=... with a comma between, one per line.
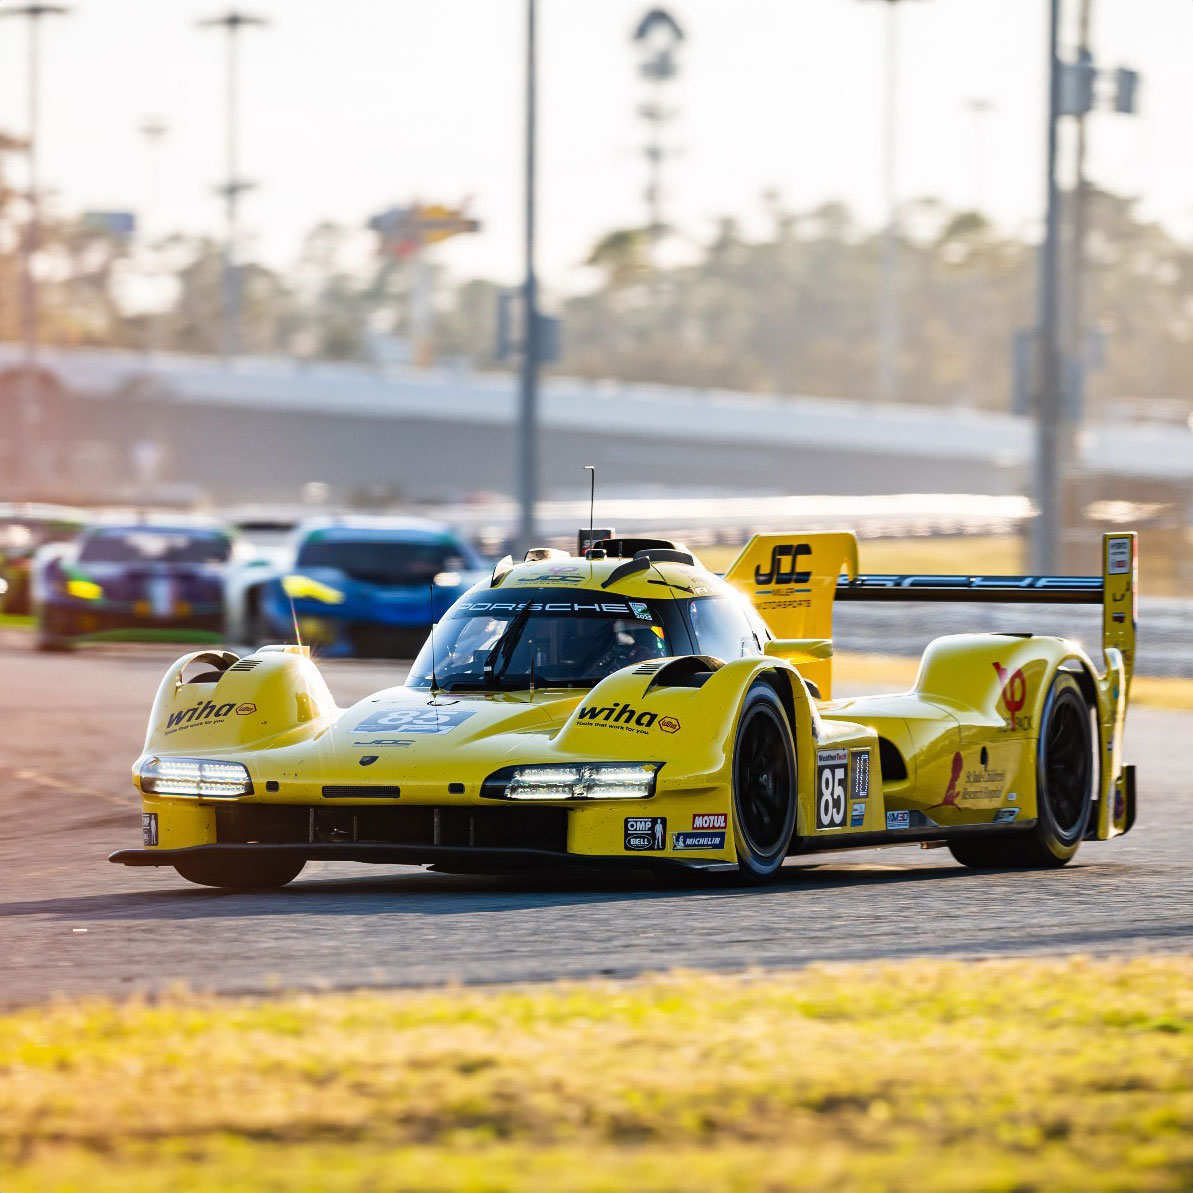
x=1004, y=1075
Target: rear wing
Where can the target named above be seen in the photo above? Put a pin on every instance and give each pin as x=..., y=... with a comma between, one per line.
x=793, y=581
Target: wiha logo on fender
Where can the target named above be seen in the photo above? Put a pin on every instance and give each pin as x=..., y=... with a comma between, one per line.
x=623, y=714
x=204, y=713
x=783, y=558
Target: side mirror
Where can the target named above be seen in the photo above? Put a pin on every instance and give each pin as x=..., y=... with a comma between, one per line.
x=799, y=650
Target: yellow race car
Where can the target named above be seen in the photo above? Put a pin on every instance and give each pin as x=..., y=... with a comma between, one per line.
x=627, y=707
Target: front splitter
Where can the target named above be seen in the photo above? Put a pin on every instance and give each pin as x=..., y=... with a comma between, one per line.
x=380, y=853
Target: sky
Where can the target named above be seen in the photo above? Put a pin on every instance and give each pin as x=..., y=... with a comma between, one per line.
x=352, y=106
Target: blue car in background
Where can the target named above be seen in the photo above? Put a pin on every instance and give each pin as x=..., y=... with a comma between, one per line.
x=152, y=579
x=364, y=586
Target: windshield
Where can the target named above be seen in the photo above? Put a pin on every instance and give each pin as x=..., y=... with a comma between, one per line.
x=147, y=544
x=383, y=560
x=489, y=641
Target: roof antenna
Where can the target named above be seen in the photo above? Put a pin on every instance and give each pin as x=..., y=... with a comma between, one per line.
x=435, y=688
x=591, y=500
x=294, y=619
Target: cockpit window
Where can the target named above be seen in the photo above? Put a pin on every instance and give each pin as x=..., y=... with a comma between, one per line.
x=493, y=640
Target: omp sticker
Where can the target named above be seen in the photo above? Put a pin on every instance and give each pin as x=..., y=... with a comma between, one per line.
x=857, y=815
x=1118, y=556
x=832, y=771
x=709, y=820
x=697, y=840
x=897, y=820
x=645, y=832
x=859, y=787
x=1003, y=815
x=149, y=828
x=414, y=720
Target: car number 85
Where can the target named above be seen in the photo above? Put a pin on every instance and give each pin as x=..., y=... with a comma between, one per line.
x=832, y=770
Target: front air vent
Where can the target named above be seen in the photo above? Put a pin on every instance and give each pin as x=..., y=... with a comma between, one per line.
x=245, y=665
x=650, y=668
x=333, y=791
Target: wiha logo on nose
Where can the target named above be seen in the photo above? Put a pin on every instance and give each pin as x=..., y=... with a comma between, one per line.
x=619, y=714
x=782, y=565
x=205, y=712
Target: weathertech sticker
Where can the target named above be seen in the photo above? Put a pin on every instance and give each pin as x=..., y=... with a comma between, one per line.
x=697, y=840
x=149, y=828
x=646, y=832
x=896, y=820
x=414, y=720
x=859, y=787
x=832, y=771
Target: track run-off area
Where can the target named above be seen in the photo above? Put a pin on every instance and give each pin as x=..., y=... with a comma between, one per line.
x=73, y=924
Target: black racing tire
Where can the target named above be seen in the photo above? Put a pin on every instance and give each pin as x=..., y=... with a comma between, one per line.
x=764, y=784
x=250, y=873
x=1066, y=779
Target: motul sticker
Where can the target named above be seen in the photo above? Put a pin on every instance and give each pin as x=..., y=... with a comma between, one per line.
x=710, y=820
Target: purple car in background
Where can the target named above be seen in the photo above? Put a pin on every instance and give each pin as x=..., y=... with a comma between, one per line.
x=136, y=581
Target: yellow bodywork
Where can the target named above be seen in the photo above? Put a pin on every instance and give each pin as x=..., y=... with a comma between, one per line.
x=959, y=748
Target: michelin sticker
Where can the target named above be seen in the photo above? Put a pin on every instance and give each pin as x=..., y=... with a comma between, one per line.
x=414, y=720
x=697, y=840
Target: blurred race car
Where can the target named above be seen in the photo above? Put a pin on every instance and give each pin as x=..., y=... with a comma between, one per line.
x=629, y=708
x=354, y=586
x=24, y=528
x=147, y=579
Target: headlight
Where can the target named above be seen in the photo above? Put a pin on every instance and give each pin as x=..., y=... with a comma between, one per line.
x=590, y=780
x=315, y=590
x=446, y=580
x=195, y=776
x=86, y=590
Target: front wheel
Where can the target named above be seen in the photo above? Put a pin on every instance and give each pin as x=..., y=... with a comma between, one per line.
x=1066, y=779
x=764, y=787
x=248, y=873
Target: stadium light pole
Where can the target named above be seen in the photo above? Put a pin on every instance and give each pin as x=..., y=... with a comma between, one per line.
x=1046, y=526
x=887, y=378
x=232, y=21
x=527, y=454
x=27, y=402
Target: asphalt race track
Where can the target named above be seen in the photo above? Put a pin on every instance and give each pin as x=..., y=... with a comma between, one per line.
x=71, y=923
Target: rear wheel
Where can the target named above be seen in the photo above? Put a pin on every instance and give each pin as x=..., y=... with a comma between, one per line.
x=259, y=873
x=764, y=788
x=1066, y=778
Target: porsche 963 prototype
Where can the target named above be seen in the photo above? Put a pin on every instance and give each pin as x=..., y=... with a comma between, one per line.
x=626, y=707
